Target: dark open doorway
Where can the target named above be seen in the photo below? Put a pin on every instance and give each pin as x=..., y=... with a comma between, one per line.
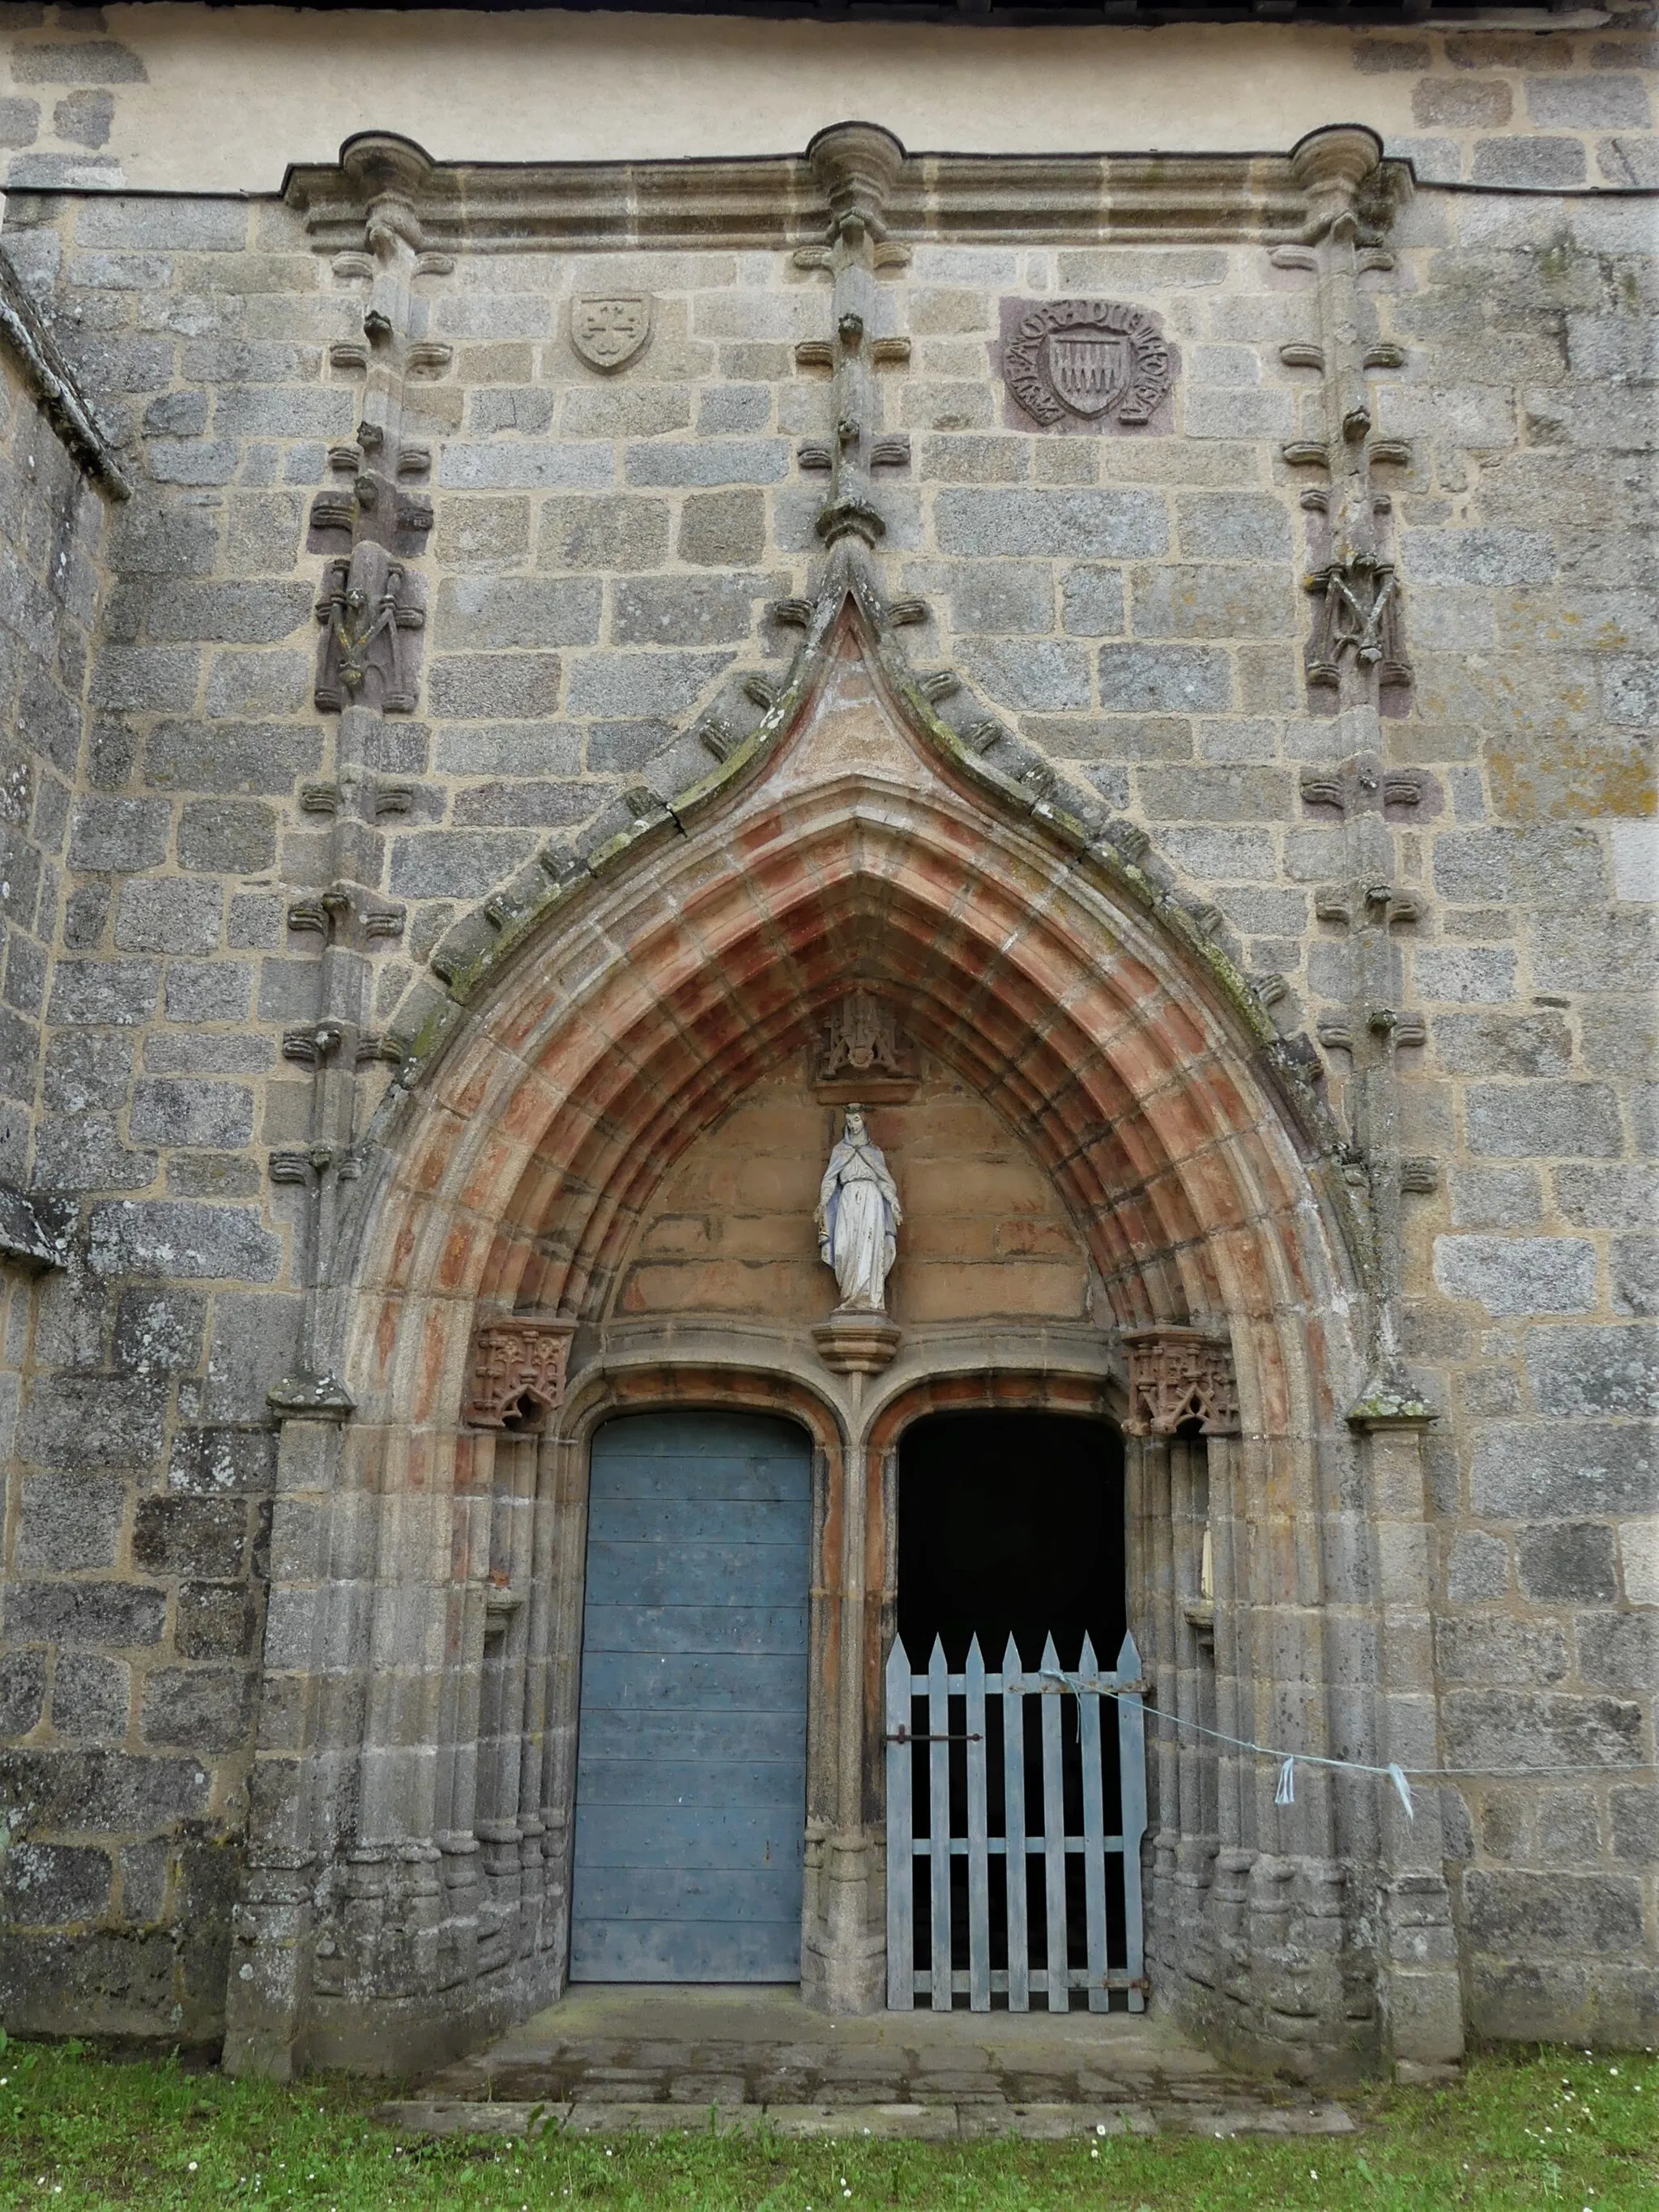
x=1010, y=1523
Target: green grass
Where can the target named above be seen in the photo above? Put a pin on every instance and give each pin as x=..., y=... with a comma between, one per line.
x=1538, y=2127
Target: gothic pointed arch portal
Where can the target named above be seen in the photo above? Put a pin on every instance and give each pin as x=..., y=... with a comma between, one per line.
x=411, y=1830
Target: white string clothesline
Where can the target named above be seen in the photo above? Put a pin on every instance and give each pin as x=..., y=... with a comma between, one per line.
x=1400, y=1777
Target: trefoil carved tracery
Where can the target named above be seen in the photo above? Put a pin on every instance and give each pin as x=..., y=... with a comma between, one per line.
x=516, y=1364
x=1179, y=1377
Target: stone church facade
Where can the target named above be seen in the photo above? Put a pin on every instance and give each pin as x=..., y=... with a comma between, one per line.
x=549, y=650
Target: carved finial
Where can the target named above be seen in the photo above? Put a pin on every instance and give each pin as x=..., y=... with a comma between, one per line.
x=856, y=165
x=1330, y=166
x=390, y=173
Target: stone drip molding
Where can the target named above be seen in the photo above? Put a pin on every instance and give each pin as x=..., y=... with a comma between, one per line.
x=778, y=202
x=56, y=387
x=371, y=524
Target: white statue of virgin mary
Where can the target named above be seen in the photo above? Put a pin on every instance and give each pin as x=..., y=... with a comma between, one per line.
x=858, y=1218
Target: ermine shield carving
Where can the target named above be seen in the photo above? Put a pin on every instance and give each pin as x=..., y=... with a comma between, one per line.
x=1094, y=359
x=607, y=329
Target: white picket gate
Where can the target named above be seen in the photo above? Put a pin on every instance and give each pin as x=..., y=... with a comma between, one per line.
x=959, y=1710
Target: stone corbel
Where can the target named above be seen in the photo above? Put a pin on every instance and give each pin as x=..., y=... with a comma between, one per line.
x=310, y=1395
x=517, y=1363
x=1178, y=1376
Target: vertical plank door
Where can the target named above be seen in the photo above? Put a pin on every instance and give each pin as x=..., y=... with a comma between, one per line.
x=691, y=1761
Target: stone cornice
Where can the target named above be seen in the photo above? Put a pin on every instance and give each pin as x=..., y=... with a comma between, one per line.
x=775, y=202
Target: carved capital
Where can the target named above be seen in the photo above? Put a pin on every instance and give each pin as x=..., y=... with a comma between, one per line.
x=517, y=1363
x=1178, y=1376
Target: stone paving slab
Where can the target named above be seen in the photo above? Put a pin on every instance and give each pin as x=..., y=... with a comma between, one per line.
x=935, y=2120
x=609, y=2060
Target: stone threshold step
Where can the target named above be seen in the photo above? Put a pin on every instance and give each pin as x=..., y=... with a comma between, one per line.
x=941, y=2121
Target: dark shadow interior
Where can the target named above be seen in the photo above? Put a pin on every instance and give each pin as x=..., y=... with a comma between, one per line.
x=1010, y=1523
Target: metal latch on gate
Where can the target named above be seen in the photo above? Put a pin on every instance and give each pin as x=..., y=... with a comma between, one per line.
x=903, y=1735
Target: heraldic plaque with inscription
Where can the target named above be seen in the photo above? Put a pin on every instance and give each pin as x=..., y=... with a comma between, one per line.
x=1087, y=364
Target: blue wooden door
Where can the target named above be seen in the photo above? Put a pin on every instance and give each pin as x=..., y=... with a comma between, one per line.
x=691, y=1761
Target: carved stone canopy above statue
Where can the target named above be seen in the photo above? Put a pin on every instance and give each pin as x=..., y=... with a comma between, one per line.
x=866, y=1057
x=1180, y=1379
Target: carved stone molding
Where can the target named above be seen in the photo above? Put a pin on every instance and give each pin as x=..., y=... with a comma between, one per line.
x=366, y=601
x=517, y=1363
x=865, y=1056
x=768, y=202
x=1177, y=1376
x=56, y=386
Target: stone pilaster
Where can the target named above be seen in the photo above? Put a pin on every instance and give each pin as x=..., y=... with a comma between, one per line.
x=303, y=1756
x=1418, y=1983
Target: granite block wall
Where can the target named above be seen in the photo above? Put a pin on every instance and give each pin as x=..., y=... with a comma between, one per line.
x=605, y=560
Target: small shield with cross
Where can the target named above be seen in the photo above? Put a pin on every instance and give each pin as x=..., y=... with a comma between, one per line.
x=607, y=329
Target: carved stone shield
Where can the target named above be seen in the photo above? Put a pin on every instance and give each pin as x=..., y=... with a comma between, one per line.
x=1095, y=360
x=1089, y=369
x=607, y=329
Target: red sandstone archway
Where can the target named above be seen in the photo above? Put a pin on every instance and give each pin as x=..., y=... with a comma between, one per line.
x=541, y=1135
